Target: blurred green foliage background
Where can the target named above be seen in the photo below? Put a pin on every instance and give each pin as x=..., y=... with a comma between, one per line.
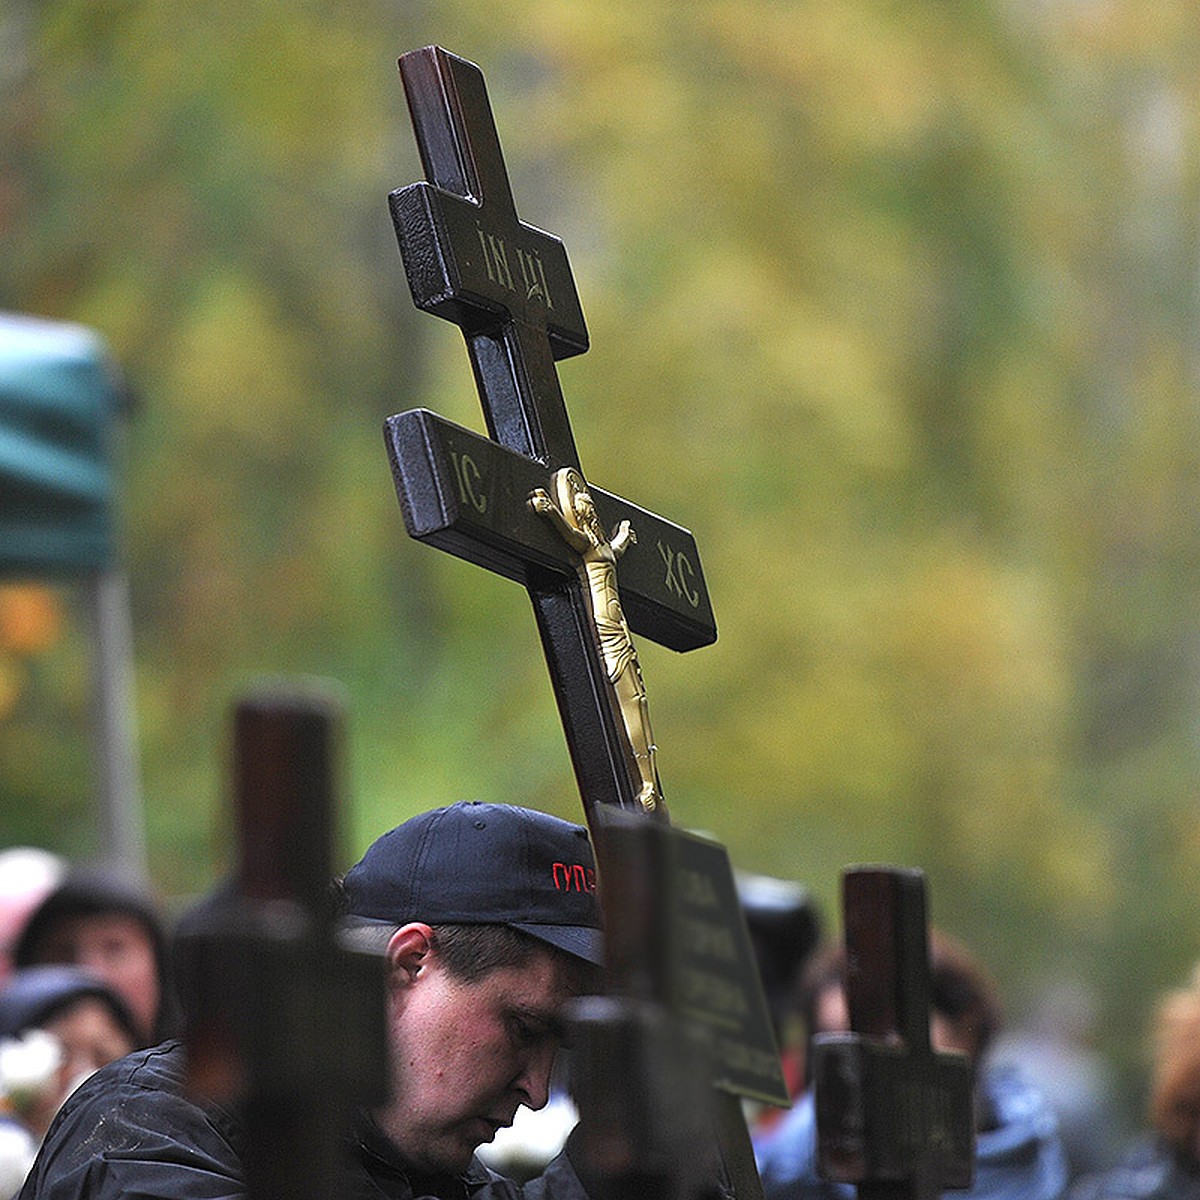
x=893, y=305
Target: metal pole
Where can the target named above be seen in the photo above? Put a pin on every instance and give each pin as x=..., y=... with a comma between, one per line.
x=121, y=818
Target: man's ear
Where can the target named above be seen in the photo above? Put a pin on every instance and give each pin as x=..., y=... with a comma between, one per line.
x=408, y=950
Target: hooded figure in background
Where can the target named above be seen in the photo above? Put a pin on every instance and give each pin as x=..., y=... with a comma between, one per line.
x=57, y=1025
x=112, y=928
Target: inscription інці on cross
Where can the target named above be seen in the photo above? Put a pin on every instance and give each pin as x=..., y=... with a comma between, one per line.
x=533, y=283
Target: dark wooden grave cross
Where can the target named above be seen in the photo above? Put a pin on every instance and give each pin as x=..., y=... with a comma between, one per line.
x=517, y=503
x=470, y=259
x=282, y=1021
x=893, y=1116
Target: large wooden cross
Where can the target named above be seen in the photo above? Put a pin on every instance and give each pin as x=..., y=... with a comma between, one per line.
x=893, y=1116
x=283, y=1022
x=517, y=502
x=470, y=259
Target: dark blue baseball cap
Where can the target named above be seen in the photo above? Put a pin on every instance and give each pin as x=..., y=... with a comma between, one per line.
x=483, y=864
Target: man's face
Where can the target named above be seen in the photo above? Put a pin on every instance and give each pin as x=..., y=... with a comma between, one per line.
x=465, y=1056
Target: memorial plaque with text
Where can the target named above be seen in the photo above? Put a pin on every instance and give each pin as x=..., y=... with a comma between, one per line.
x=701, y=962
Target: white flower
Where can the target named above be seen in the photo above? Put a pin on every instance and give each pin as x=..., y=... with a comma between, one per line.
x=17, y=1149
x=533, y=1139
x=28, y=1066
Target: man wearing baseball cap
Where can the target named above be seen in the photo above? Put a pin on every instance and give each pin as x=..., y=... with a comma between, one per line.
x=486, y=919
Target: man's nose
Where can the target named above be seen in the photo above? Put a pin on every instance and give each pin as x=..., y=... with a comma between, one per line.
x=534, y=1080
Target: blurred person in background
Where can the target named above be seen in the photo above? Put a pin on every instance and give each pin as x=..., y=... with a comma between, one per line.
x=104, y=923
x=1057, y=1048
x=1165, y=1163
x=57, y=1025
x=1018, y=1154
x=784, y=924
x=27, y=875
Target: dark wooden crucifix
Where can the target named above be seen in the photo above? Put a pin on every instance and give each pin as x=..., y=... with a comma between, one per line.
x=282, y=1020
x=893, y=1116
x=470, y=259
x=518, y=503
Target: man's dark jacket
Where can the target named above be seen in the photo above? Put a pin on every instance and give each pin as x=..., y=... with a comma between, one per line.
x=130, y=1133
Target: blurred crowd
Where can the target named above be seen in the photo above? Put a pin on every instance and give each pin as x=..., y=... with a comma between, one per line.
x=1048, y=1121
x=85, y=979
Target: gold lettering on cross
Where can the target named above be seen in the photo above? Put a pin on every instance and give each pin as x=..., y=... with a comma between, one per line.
x=680, y=574
x=469, y=478
x=534, y=275
x=495, y=259
x=495, y=251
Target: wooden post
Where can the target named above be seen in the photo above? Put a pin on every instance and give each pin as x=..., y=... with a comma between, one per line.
x=283, y=1021
x=893, y=1116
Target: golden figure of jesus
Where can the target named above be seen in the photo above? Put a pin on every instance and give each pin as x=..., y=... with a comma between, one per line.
x=573, y=514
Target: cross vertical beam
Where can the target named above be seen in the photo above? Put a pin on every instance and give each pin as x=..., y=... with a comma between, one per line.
x=518, y=504
x=506, y=283
x=282, y=1021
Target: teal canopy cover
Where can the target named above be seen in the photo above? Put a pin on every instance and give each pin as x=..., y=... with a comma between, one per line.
x=60, y=394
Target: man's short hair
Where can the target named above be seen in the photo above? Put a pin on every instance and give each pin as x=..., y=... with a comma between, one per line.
x=472, y=952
